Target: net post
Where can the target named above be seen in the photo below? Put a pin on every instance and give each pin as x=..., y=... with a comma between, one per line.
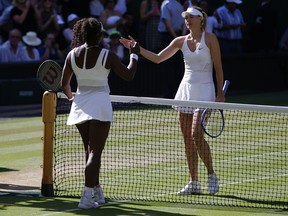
x=49, y=101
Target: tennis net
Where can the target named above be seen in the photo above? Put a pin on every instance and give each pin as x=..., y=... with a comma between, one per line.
x=144, y=157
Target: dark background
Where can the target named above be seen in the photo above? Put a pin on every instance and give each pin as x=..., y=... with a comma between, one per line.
x=249, y=72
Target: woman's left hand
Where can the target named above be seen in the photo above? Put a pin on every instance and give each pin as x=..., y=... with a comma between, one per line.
x=220, y=98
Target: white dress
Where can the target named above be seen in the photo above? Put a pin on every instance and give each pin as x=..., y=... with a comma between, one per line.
x=197, y=83
x=92, y=99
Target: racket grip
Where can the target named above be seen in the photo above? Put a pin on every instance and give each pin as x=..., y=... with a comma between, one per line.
x=225, y=86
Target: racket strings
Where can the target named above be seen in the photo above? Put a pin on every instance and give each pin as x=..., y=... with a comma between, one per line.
x=213, y=122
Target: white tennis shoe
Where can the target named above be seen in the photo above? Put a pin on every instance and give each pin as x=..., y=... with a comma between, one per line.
x=213, y=184
x=87, y=202
x=193, y=187
x=99, y=195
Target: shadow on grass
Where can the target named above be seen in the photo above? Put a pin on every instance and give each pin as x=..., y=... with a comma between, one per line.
x=56, y=205
x=3, y=169
x=278, y=204
x=13, y=187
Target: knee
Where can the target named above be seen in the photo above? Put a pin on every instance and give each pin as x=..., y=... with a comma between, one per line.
x=197, y=136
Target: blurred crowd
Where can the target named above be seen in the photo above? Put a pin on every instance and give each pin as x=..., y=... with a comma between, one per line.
x=37, y=30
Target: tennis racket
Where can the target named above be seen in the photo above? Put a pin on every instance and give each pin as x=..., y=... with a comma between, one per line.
x=212, y=120
x=49, y=75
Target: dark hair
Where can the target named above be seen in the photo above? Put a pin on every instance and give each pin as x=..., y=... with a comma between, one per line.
x=86, y=30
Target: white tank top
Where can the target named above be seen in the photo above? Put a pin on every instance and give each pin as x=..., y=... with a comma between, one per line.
x=198, y=64
x=96, y=76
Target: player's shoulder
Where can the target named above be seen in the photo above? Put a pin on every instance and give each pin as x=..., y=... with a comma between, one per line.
x=178, y=41
x=210, y=36
x=210, y=39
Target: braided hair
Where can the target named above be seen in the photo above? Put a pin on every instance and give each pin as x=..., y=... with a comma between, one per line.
x=86, y=30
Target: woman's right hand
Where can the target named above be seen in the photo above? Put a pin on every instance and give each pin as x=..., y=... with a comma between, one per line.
x=127, y=43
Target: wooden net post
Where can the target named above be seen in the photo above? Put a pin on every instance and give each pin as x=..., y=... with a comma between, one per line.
x=49, y=102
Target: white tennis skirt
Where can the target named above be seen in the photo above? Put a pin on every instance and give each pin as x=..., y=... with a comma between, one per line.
x=90, y=104
x=195, y=92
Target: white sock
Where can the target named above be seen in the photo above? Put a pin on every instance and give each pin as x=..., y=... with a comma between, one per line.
x=88, y=190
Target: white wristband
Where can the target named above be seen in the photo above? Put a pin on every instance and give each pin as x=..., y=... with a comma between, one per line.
x=71, y=99
x=134, y=56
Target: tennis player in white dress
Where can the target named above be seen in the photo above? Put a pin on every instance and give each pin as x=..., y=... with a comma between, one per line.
x=201, y=54
x=92, y=99
x=91, y=109
x=197, y=82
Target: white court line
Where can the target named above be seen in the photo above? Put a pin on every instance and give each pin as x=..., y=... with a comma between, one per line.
x=220, y=161
x=220, y=185
x=217, y=161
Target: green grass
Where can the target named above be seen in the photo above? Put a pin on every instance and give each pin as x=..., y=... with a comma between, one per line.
x=277, y=98
x=43, y=206
x=21, y=159
x=144, y=159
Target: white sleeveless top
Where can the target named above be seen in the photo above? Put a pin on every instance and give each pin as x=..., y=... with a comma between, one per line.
x=92, y=99
x=197, y=83
x=96, y=76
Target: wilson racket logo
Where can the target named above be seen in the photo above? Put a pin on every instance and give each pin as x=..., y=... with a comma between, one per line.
x=51, y=75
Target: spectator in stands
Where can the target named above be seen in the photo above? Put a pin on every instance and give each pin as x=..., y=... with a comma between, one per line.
x=110, y=18
x=81, y=8
x=5, y=20
x=31, y=41
x=25, y=16
x=121, y=6
x=170, y=27
x=104, y=40
x=68, y=31
x=48, y=18
x=283, y=44
x=96, y=8
x=133, y=18
x=91, y=109
x=213, y=21
x=150, y=16
x=12, y=50
x=230, y=34
x=171, y=23
x=189, y=3
x=115, y=45
x=4, y=4
x=263, y=33
x=50, y=49
x=128, y=27
x=202, y=56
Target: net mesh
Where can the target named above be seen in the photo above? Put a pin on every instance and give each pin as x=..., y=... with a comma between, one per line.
x=144, y=157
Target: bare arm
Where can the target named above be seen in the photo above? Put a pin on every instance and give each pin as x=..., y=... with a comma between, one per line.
x=213, y=44
x=67, y=73
x=19, y=19
x=126, y=73
x=165, y=54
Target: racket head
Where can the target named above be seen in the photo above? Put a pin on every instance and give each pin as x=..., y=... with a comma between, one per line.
x=49, y=75
x=212, y=122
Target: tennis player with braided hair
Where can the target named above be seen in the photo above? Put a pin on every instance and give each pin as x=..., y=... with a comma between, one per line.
x=91, y=109
x=201, y=53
